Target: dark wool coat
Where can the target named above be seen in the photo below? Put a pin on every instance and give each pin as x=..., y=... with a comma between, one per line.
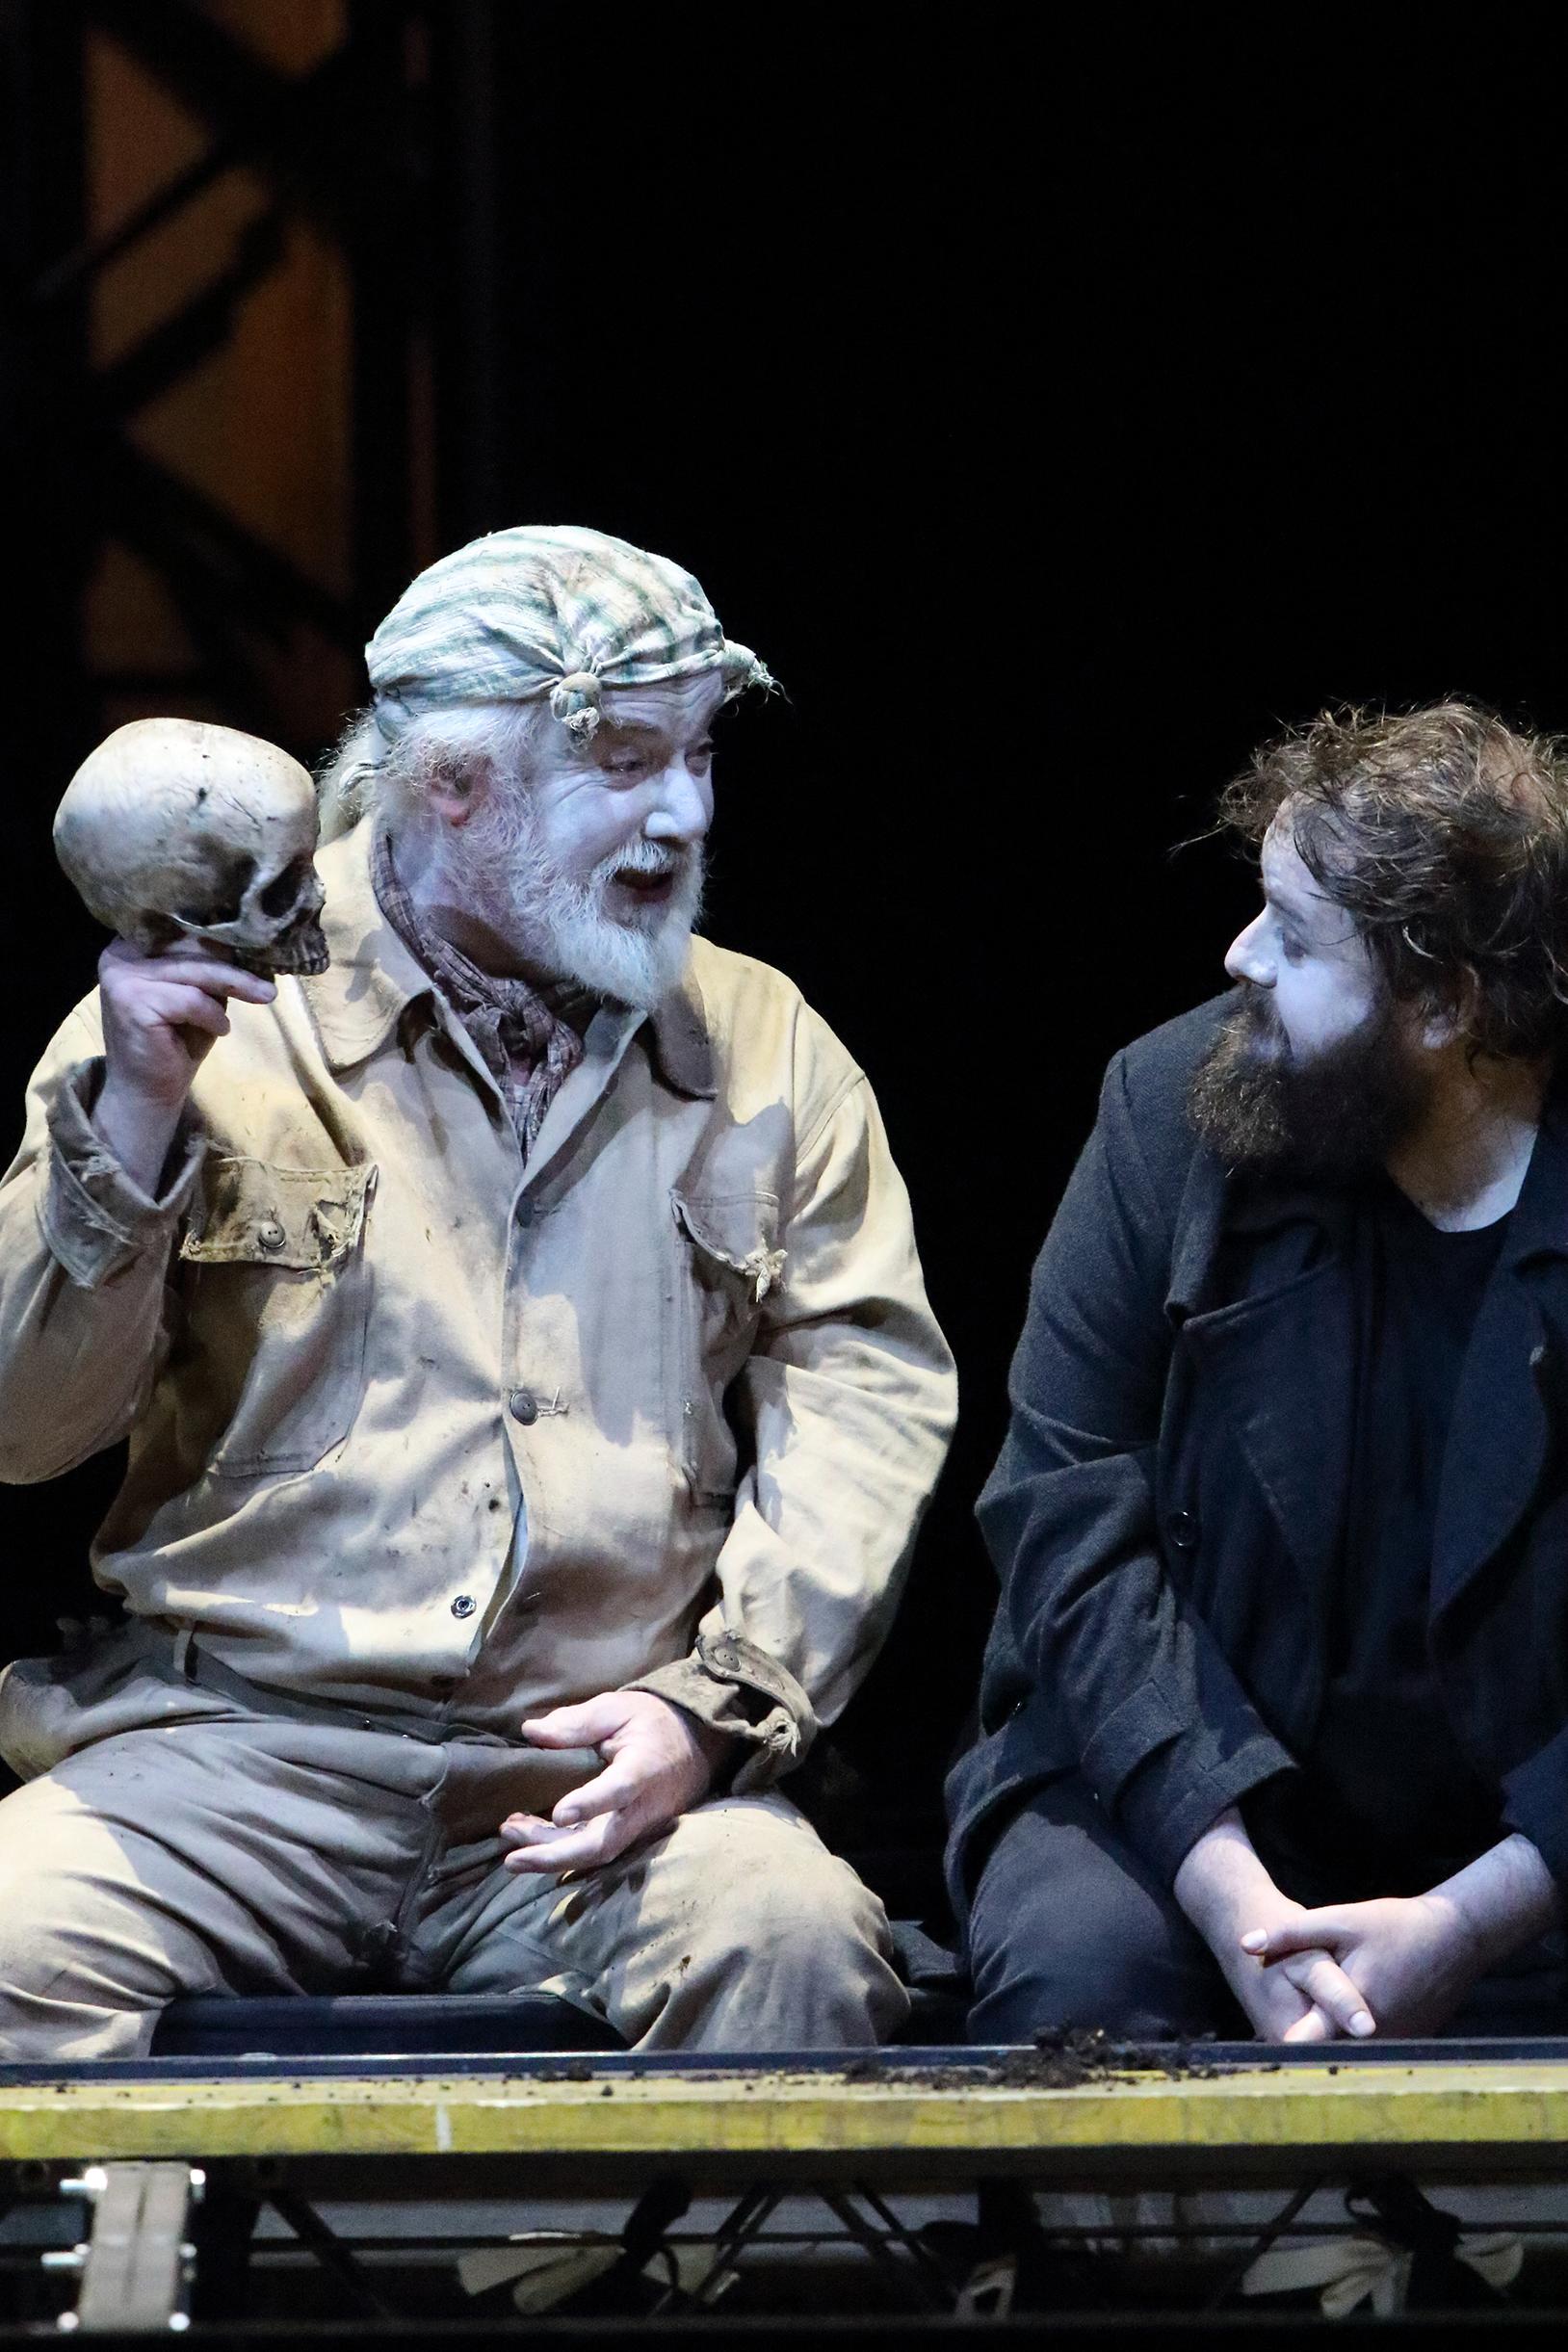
x=1165, y=1514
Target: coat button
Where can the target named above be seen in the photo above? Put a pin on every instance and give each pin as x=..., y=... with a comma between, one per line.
x=464, y=1606
x=523, y=1406
x=270, y=1235
x=525, y=1214
x=1184, y=1531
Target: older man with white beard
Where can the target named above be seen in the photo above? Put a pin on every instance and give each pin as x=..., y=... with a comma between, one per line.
x=531, y=1388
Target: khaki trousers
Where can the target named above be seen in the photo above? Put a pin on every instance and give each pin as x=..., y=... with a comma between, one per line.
x=250, y=1855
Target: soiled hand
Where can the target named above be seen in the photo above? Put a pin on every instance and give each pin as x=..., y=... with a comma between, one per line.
x=162, y=1015
x=659, y=1762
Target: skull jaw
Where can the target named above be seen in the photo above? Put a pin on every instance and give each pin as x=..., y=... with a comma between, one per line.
x=301, y=948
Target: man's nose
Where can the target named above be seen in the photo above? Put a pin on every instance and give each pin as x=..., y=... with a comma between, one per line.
x=684, y=809
x=1246, y=958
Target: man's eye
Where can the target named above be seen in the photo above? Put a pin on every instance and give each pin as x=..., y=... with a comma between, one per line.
x=1291, y=949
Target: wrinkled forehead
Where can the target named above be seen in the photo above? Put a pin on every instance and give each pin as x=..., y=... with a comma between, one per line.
x=674, y=710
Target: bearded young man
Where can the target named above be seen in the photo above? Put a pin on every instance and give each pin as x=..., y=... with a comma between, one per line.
x=1274, y=1722
x=530, y=1389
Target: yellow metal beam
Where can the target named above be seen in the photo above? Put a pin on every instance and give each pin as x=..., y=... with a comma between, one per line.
x=1261, y=2121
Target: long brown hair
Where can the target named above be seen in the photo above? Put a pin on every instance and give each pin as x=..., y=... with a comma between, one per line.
x=1443, y=834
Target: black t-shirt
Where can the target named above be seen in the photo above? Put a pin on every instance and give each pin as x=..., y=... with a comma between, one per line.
x=1386, y=1799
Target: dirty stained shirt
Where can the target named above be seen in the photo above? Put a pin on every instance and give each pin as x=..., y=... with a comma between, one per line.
x=359, y=1344
x=531, y=1037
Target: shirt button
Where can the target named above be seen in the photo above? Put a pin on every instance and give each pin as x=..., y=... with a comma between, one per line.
x=270, y=1235
x=523, y=1406
x=464, y=1606
x=1184, y=1531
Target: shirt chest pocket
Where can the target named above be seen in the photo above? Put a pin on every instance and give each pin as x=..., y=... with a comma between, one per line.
x=277, y=1304
x=729, y=1263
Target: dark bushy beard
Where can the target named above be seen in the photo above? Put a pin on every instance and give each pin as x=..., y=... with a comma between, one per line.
x=1262, y=1108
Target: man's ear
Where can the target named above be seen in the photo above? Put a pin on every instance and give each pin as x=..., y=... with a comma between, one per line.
x=1444, y=1022
x=456, y=784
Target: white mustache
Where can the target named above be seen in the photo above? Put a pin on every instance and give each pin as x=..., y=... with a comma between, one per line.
x=646, y=859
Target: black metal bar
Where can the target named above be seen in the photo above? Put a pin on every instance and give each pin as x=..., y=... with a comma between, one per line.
x=474, y=383
x=54, y=530
x=328, y=2249
x=909, y=2282
x=181, y=529
x=346, y=144
x=1259, y=2245
x=735, y=2233
x=899, y=2231
x=317, y=137
x=384, y=268
x=178, y=345
x=227, y=672
x=211, y=72
x=85, y=259
x=224, y=2228
x=981, y=2065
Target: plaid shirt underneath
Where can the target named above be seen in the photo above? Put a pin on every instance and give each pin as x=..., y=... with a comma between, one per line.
x=530, y=1039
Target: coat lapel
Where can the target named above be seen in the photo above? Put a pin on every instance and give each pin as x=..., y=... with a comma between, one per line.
x=1513, y=1388
x=1278, y=1363
x=1499, y=1436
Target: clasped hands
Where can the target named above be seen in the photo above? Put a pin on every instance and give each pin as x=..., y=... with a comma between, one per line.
x=1397, y=1965
x=659, y=1762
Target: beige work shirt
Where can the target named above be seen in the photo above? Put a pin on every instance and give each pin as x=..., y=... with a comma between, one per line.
x=414, y=1426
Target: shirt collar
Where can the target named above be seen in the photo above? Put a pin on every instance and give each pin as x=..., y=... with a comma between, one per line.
x=373, y=977
x=534, y=1006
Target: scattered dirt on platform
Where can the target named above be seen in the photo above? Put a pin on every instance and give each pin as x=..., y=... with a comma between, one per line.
x=1057, y=2062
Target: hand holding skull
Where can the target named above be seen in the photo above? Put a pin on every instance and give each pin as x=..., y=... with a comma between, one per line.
x=195, y=844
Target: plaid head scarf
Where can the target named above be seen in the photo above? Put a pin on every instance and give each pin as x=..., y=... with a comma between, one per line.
x=547, y=611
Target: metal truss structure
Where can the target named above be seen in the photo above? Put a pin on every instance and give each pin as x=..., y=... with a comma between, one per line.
x=911, y=2194
x=363, y=148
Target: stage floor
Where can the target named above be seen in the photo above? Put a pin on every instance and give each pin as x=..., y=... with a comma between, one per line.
x=1473, y=2110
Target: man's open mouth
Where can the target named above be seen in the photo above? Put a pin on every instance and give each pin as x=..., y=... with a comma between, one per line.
x=649, y=889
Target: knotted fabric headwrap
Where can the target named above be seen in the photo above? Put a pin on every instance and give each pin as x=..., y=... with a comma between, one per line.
x=547, y=609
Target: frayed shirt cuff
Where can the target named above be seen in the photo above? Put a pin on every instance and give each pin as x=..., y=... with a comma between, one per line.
x=737, y=1690
x=96, y=1220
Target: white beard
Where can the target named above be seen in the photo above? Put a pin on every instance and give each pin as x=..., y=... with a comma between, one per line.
x=558, y=920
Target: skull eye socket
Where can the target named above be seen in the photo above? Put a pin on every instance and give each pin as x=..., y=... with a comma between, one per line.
x=284, y=888
x=236, y=880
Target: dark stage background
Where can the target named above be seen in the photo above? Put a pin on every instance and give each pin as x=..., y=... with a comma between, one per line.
x=1055, y=417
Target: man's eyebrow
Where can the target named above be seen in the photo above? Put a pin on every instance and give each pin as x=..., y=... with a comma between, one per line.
x=656, y=731
x=620, y=728
x=1287, y=906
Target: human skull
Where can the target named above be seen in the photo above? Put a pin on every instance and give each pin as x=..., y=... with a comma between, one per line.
x=172, y=826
